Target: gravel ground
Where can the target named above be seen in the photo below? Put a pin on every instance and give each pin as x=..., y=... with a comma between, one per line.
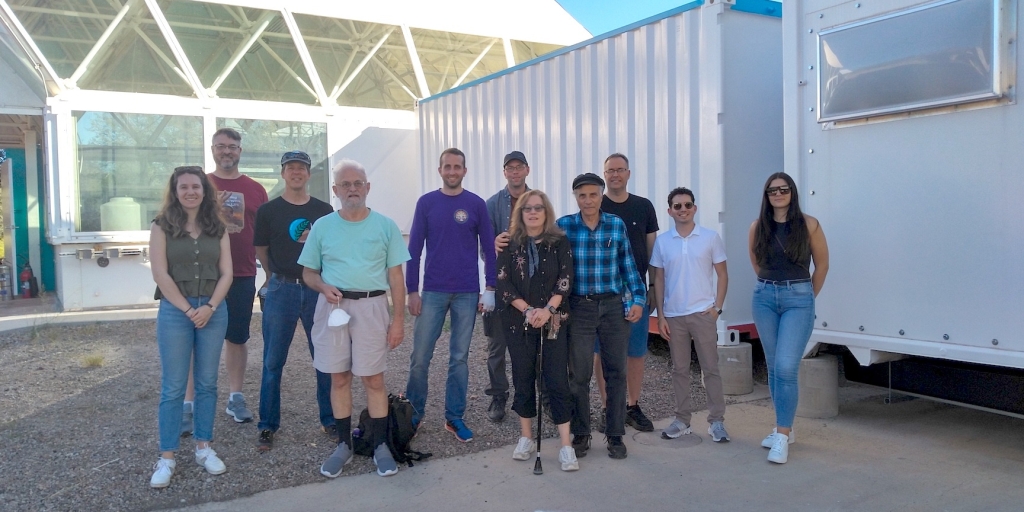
x=78, y=419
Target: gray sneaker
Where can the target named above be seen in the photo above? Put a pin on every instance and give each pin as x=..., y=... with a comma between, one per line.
x=237, y=409
x=332, y=467
x=186, y=420
x=675, y=430
x=386, y=465
x=717, y=432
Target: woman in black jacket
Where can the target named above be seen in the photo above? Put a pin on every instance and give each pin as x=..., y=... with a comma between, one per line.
x=534, y=277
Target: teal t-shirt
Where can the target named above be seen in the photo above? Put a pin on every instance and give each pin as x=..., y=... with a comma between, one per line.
x=354, y=255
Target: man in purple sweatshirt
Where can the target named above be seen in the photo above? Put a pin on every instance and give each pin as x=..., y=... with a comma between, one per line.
x=454, y=225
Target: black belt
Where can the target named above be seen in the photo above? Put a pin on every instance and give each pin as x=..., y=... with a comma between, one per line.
x=784, y=283
x=345, y=294
x=288, y=279
x=598, y=296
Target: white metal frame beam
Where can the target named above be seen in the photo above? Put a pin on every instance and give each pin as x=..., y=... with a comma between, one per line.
x=287, y=67
x=261, y=25
x=113, y=27
x=474, y=63
x=339, y=89
x=33, y=51
x=510, y=58
x=307, y=60
x=179, y=54
x=417, y=66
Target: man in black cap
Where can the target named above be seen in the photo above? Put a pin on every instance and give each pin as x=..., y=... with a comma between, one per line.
x=280, y=234
x=603, y=260
x=499, y=209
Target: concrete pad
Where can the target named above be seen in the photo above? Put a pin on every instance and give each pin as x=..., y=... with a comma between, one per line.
x=912, y=454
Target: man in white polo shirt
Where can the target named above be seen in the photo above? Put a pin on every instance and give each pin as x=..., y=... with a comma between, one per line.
x=689, y=305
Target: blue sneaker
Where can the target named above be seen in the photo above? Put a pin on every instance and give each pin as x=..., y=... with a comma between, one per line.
x=459, y=428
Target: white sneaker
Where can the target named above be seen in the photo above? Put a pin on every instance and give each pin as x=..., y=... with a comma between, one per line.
x=162, y=472
x=567, y=456
x=770, y=440
x=675, y=430
x=779, y=453
x=208, y=459
x=525, y=447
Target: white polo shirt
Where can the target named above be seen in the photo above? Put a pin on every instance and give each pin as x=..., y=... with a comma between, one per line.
x=689, y=269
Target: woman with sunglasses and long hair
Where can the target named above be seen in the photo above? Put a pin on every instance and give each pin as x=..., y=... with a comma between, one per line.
x=190, y=256
x=783, y=244
x=535, y=275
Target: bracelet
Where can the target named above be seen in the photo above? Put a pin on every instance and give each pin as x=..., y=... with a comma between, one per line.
x=527, y=310
x=190, y=308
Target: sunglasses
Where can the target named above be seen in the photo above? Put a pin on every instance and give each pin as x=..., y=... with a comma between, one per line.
x=535, y=208
x=775, y=191
x=680, y=206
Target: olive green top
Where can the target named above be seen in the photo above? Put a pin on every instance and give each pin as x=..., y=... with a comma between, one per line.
x=193, y=264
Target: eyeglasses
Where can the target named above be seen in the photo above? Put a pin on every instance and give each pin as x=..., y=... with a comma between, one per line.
x=535, y=208
x=616, y=171
x=515, y=168
x=232, y=147
x=775, y=191
x=679, y=206
x=345, y=185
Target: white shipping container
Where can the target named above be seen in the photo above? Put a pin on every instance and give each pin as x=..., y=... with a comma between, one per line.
x=693, y=97
x=904, y=133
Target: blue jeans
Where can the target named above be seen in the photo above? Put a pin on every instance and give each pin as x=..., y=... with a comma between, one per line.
x=182, y=345
x=286, y=304
x=784, y=316
x=428, y=328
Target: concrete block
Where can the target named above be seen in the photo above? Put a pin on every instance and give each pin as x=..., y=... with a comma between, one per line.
x=735, y=363
x=819, y=387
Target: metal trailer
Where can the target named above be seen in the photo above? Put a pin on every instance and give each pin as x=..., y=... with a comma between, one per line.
x=903, y=132
x=693, y=96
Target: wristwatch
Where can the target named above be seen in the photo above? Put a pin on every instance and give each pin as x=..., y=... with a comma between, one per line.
x=211, y=306
x=552, y=310
x=718, y=310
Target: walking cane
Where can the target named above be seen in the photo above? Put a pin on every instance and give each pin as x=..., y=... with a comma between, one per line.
x=537, y=468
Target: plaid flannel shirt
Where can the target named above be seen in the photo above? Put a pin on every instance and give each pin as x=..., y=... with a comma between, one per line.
x=602, y=258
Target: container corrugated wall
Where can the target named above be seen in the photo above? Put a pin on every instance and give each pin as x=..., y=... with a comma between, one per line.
x=693, y=99
x=633, y=93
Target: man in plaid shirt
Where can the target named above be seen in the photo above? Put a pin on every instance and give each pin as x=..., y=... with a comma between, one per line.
x=605, y=271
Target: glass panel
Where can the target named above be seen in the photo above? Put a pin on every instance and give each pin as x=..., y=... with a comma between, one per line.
x=211, y=34
x=524, y=50
x=937, y=55
x=64, y=32
x=263, y=143
x=446, y=56
x=124, y=162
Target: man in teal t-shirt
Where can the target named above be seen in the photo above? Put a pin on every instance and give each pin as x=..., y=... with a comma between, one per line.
x=352, y=257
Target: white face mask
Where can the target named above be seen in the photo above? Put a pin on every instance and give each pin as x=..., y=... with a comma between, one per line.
x=338, y=319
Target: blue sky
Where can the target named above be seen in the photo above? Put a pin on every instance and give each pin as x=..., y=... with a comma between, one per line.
x=600, y=16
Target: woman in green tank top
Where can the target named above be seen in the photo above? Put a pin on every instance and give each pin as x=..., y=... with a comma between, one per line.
x=191, y=261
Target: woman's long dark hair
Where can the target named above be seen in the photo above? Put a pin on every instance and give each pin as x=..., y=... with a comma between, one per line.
x=798, y=243
x=172, y=217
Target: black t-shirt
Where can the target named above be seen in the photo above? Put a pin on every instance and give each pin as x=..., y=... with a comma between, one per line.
x=640, y=218
x=282, y=227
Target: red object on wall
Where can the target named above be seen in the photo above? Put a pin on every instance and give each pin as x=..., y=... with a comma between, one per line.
x=25, y=281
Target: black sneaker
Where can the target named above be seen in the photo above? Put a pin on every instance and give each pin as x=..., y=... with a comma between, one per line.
x=496, y=411
x=265, y=441
x=331, y=431
x=602, y=420
x=580, y=444
x=616, y=449
x=636, y=419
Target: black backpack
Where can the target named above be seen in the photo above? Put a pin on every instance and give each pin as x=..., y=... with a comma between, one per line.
x=399, y=433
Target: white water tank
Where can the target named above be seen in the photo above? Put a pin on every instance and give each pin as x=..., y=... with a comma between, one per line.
x=121, y=214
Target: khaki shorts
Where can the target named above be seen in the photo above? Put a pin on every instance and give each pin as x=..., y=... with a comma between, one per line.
x=361, y=346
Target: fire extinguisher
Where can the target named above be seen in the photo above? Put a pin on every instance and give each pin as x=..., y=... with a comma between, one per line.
x=25, y=281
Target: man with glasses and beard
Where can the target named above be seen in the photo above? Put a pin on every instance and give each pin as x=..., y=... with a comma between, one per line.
x=240, y=197
x=689, y=305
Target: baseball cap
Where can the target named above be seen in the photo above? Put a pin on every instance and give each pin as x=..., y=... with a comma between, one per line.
x=515, y=155
x=296, y=156
x=588, y=178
